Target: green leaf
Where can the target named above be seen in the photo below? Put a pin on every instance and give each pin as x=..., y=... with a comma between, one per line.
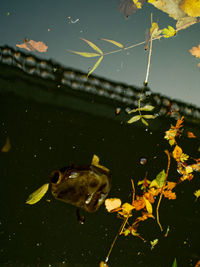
x=144, y=122
x=175, y=263
x=96, y=65
x=134, y=119
x=96, y=48
x=148, y=108
x=160, y=178
x=37, y=195
x=145, y=108
x=168, y=32
x=113, y=42
x=149, y=116
x=84, y=54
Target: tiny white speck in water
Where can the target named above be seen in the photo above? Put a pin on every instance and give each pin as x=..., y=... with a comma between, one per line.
x=50, y=148
x=35, y=156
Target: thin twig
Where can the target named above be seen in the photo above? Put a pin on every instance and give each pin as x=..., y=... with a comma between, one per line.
x=161, y=194
x=115, y=239
x=150, y=52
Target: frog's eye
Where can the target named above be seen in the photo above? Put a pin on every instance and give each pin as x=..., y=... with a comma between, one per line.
x=55, y=177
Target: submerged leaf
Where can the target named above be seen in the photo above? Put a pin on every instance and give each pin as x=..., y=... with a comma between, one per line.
x=144, y=122
x=95, y=65
x=85, y=54
x=174, y=263
x=37, y=195
x=145, y=108
x=7, y=145
x=134, y=119
x=113, y=42
x=96, y=48
x=149, y=116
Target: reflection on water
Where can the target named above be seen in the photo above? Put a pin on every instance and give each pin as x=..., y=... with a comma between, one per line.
x=45, y=137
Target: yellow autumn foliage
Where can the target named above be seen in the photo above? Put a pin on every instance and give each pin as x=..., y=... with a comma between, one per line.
x=191, y=7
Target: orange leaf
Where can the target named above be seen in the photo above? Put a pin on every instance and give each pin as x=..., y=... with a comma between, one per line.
x=33, y=46
x=177, y=153
x=190, y=135
x=195, y=51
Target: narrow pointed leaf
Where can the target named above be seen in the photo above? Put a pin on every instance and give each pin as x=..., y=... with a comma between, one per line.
x=134, y=119
x=85, y=54
x=113, y=42
x=133, y=110
x=37, y=195
x=148, y=116
x=96, y=48
x=174, y=263
x=96, y=65
x=148, y=108
x=145, y=108
x=148, y=205
x=144, y=122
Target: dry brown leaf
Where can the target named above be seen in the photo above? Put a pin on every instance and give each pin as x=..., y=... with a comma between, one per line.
x=112, y=204
x=33, y=46
x=195, y=51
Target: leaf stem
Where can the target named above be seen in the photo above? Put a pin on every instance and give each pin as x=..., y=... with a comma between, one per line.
x=161, y=194
x=115, y=239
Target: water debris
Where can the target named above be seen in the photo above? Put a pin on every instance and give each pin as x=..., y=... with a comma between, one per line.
x=153, y=243
x=71, y=21
x=7, y=146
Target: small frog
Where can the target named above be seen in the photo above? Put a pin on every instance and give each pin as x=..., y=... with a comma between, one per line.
x=84, y=187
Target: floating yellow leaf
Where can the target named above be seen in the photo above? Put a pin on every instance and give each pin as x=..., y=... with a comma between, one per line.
x=84, y=54
x=113, y=42
x=148, y=205
x=188, y=169
x=197, y=193
x=177, y=152
x=137, y=3
x=112, y=204
x=37, y=195
x=96, y=48
x=191, y=7
x=7, y=145
x=95, y=160
x=96, y=65
x=168, y=32
x=127, y=208
x=153, y=243
x=103, y=264
x=134, y=119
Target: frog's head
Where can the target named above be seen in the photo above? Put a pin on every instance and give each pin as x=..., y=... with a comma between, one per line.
x=84, y=187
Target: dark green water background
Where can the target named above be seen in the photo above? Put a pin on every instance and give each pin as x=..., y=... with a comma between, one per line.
x=45, y=137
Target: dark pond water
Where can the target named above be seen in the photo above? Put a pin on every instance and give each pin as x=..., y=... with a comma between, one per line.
x=45, y=137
